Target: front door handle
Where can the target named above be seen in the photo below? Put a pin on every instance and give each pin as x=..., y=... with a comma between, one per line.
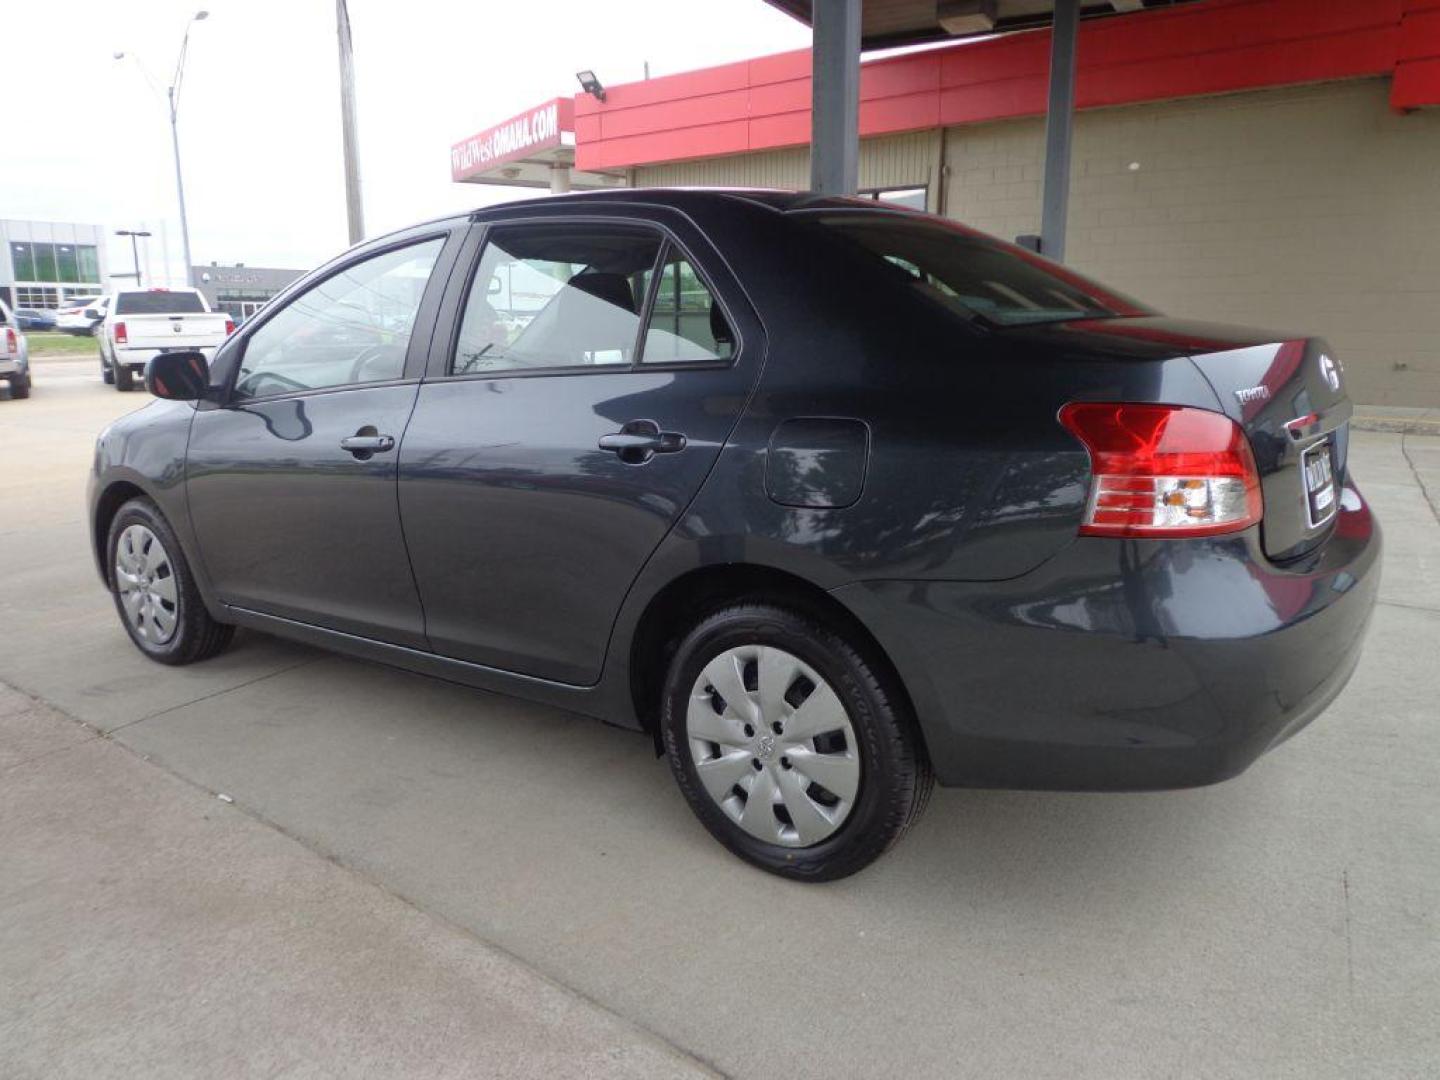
x=640, y=440
x=365, y=443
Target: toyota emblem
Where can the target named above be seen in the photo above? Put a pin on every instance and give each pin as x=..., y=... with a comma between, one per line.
x=1331, y=371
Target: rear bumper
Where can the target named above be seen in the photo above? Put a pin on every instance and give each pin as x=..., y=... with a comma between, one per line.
x=136, y=358
x=1129, y=665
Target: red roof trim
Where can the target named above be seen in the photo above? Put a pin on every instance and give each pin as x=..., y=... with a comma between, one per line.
x=1210, y=47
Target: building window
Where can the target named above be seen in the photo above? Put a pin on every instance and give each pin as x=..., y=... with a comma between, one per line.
x=63, y=263
x=23, y=258
x=913, y=197
x=32, y=296
x=88, y=259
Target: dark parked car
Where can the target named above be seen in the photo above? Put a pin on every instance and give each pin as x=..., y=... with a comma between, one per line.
x=827, y=497
x=34, y=319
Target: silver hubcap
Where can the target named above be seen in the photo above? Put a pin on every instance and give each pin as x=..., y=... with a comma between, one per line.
x=773, y=745
x=146, y=581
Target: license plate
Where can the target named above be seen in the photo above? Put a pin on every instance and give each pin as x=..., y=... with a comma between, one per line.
x=1317, y=465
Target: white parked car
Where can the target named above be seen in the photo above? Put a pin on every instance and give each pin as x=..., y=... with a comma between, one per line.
x=143, y=323
x=14, y=354
x=78, y=316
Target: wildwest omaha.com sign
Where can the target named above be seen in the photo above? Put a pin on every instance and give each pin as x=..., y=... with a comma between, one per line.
x=513, y=140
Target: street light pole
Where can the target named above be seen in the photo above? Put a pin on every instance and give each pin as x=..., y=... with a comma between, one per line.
x=134, y=234
x=173, y=96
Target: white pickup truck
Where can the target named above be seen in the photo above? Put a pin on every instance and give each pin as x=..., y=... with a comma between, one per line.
x=143, y=323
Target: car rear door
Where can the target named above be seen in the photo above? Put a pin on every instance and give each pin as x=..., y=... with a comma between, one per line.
x=291, y=481
x=553, y=443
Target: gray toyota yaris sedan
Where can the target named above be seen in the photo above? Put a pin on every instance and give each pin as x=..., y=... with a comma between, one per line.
x=829, y=497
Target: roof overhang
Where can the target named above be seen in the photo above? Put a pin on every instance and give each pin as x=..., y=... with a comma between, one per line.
x=886, y=24
x=524, y=151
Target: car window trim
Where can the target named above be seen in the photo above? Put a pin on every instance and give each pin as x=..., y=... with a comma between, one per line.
x=446, y=235
x=668, y=239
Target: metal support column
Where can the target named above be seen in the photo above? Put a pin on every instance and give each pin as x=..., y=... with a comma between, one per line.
x=1059, y=126
x=835, y=97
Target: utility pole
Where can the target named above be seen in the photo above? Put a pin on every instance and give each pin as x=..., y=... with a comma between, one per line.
x=134, y=235
x=354, y=211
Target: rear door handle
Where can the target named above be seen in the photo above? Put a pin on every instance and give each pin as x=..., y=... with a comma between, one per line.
x=659, y=442
x=363, y=446
x=640, y=440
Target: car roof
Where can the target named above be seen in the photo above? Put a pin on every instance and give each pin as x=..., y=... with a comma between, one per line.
x=690, y=198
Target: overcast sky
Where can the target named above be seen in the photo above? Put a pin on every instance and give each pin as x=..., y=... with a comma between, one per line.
x=89, y=139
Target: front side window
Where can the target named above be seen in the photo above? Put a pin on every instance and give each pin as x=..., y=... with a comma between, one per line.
x=353, y=327
x=547, y=297
x=686, y=324
x=974, y=275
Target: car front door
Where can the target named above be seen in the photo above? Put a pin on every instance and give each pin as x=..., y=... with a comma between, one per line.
x=578, y=394
x=291, y=479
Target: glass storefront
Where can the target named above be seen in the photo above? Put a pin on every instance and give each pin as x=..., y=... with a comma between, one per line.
x=47, y=274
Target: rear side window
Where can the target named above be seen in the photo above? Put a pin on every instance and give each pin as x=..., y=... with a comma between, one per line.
x=159, y=302
x=686, y=324
x=547, y=297
x=974, y=275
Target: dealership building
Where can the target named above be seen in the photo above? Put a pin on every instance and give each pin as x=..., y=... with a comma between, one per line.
x=240, y=290
x=1270, y=162
x=45, y=263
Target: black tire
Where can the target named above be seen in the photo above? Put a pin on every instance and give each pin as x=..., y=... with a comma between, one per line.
x=107, y=374
x=20, y=387
x=896, y=777
x=124, y=378
x=197, y=636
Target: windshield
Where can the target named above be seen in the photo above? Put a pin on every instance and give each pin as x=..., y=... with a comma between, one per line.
x=159, y=302
x=974, y=275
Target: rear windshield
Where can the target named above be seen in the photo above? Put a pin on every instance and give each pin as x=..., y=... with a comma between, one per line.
x=974, y=275
x=158, y=303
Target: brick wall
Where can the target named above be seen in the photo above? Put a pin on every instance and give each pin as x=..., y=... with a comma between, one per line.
x=1315, y=209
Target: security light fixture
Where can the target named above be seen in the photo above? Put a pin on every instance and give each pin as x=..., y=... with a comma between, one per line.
x=591, y=85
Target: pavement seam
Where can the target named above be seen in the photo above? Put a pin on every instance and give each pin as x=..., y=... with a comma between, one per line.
x=1419, y=480
x=315, y=849
x=1408, y=607
x=207, y=697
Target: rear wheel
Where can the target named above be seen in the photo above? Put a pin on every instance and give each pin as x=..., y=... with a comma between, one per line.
x=790, y=744
x=124, y=377
x=20, y=386
x=155, y=592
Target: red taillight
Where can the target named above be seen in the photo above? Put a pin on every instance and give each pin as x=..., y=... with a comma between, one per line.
x=12, y=343
x=121, y=337
x=229, y=327
x=1164, y=470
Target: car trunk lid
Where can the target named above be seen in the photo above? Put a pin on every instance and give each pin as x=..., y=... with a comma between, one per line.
x=1289, y=397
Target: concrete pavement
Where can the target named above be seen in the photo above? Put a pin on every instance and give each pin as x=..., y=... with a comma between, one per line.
x=1281, y=924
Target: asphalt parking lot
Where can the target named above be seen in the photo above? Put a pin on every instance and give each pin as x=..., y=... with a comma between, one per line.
x=411, y=878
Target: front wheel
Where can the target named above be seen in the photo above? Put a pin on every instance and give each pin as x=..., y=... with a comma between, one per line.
x=791, y=744
x=155, y=592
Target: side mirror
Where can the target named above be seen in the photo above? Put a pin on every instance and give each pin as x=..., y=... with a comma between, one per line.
x=91, y=313
x=178, y=376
